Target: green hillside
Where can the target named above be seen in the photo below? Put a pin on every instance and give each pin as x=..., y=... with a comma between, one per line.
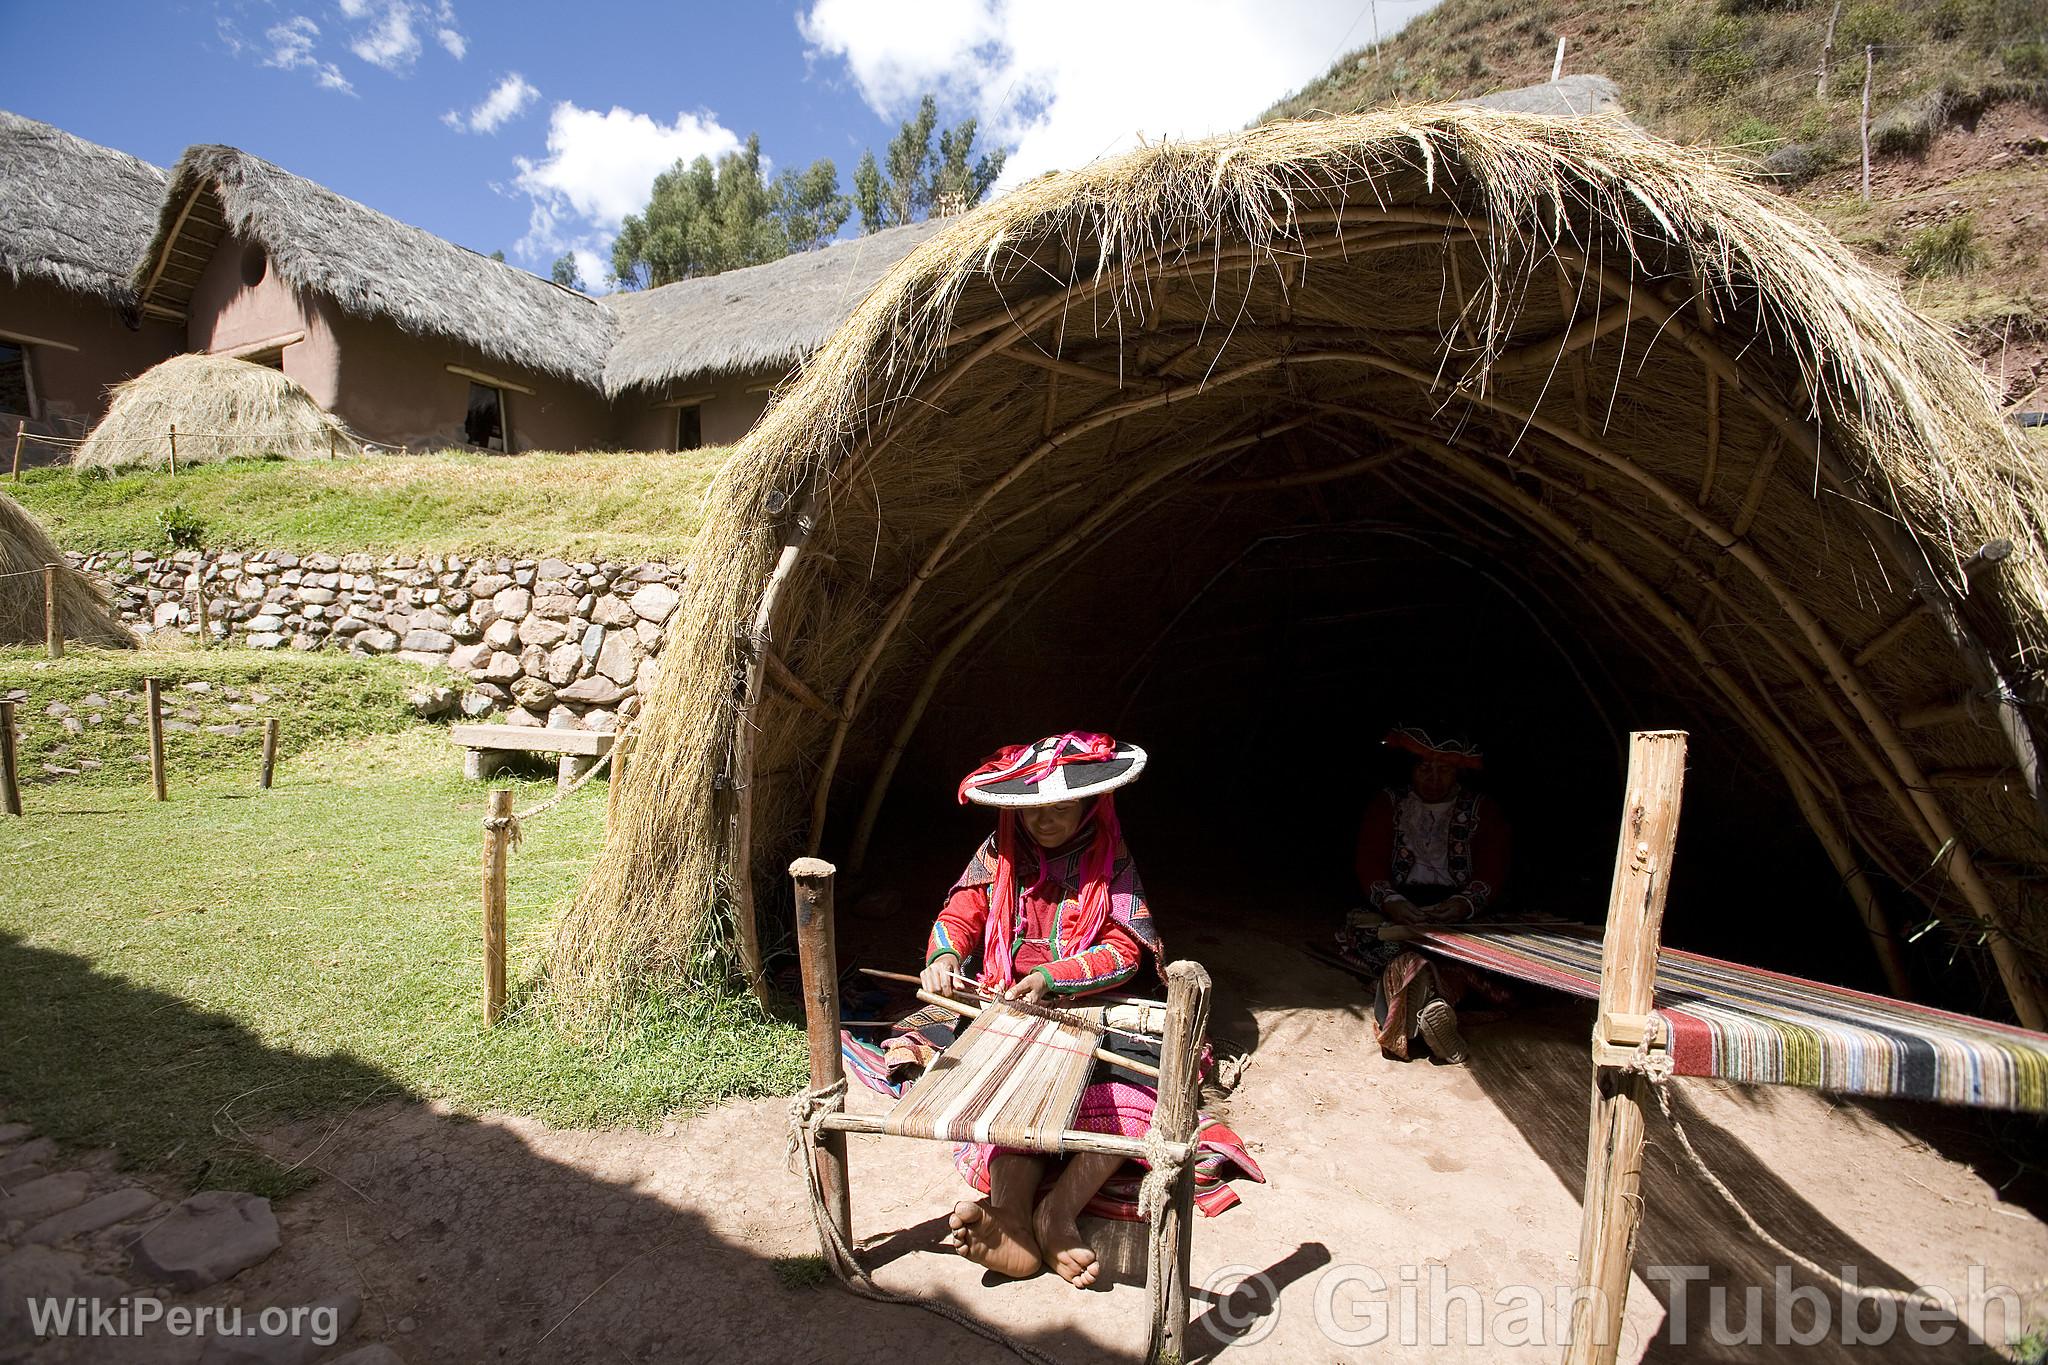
x=1959, y=120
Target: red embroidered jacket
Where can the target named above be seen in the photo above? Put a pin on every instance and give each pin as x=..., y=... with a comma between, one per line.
x=1041, y=941
x=1476, y=852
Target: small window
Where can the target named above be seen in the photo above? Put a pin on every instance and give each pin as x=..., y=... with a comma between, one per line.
x=254, y=263
x=689, y=427
x=485, y=424
x=14, y=385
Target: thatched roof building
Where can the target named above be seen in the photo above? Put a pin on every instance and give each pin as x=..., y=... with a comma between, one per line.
x=1248, y=447
x=763, y=319
x=373, y=266
x=83, y=612
x=72, y=212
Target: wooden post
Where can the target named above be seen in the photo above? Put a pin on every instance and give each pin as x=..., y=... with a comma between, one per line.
x=818, y=953
x=10, y=766
x=269, y=753
x=1869, y=64
x=20, y=433
x=152, y=692
x=53, y=622
x=497, y=841
x=1827, y=50
x=1628, y=977
x=330, y=443
x=199, y=595
x=1173, y=1119
x=1557, y=66
x=174, y=447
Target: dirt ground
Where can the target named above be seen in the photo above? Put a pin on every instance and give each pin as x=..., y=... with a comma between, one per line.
x=498, y=1239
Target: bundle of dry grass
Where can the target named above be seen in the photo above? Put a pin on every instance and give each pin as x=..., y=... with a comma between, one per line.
x=83, y=612
x=222, y=409
x=1605, y=356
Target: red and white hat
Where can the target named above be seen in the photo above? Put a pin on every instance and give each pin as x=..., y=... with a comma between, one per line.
x=1068, y=767
x=1451, y=749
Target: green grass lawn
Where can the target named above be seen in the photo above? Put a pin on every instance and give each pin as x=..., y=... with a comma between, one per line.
x=618, y=505
x=175, y=977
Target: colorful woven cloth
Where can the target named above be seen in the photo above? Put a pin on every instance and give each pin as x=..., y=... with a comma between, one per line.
x=1746, y=1024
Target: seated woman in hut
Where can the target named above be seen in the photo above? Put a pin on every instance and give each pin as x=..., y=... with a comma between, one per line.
x=1070, y=919
x=1430, y=851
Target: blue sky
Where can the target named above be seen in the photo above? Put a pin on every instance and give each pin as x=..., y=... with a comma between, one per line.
x=532, y=128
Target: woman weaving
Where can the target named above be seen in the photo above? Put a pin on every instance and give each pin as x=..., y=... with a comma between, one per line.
x=1051, y=908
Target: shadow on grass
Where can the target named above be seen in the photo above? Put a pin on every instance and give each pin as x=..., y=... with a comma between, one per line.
x=465, y=1239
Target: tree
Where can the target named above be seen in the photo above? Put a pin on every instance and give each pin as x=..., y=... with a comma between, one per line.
x=564, y=273
x=913, y=178
x=702, y=220
x=809, y=206
x=499, y=255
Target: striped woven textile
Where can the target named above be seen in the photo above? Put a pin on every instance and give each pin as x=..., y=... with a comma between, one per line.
x=1013, y=1079
x=1746, y=1024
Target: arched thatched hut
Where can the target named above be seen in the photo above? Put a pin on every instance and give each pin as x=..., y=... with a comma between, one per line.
x=219, y=408
x=83, y=612
x=1246, y=447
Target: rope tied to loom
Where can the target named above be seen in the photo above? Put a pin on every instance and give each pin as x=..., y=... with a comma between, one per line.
x=807, y=1113
x=1655, y=1066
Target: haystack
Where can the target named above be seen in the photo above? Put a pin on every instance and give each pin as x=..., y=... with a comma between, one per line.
x=223, y=410
x=1734, y=478
x=83, y=611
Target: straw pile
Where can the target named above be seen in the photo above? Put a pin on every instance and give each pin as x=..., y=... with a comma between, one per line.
x=82, y=609
x=1612, y=358
x=223, y=410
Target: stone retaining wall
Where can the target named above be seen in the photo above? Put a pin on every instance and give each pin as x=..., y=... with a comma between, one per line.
x=545, y=641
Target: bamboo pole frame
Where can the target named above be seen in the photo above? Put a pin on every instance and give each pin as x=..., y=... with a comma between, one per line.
x=1628, y=977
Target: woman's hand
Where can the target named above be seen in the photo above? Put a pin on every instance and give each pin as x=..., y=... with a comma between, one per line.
x=1400, y=910
x=938, y=974
x=1030, y=990
x=1456, y=910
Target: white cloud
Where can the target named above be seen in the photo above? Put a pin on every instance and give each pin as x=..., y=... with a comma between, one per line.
x=1160, y=68
x=599, y=168
x=388, y=40
x=509, y=98
x=291, y=47
x=446, y=34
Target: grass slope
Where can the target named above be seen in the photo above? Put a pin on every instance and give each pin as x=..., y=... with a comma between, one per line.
x=176, y=977
x=85, y=713
x=1743, y=74
x=619, y=505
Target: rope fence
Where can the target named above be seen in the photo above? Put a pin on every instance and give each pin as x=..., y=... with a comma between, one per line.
x=142, y=451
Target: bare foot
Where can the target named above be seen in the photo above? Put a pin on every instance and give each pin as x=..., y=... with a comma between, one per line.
x=990, y=1237
x=1059, y=1241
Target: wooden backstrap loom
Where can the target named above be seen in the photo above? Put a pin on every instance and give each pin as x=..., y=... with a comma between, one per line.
x=1014, y=1079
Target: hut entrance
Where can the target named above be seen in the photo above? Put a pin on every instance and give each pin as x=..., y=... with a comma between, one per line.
x=1260, y=643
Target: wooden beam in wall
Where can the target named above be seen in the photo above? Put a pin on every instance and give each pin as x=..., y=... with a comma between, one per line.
x=276, y=343
x=480, y=377
x=24, y=339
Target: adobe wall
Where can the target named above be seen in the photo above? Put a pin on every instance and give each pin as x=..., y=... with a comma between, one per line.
x=228, y=313
x=734, y=404
x=395, y=388
x=71, y=385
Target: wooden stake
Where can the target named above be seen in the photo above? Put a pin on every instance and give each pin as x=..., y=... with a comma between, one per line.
x=174, y=447
x=1827, y=49
x=1628, y=978
x=53, y=625
x=269, y=752
x=497, y=841
x=20, y=432
x=1557, y=66
x=153, y=695
x=10, y=766
x=818, y=954
x=1869, y=65
x=199, y=596
x=1187, y=1021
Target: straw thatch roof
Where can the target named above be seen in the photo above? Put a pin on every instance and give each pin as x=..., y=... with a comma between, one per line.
x=762, y=318
x=83, y=611
x=72, y=212
x=371, y=265
x=1599, y=356
x=223, y=409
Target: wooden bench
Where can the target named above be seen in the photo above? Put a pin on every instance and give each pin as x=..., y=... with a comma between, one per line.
x=489, y=746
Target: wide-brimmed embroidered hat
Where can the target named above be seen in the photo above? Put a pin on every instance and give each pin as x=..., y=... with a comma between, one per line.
x=1069, y=767
x=1451, y=749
